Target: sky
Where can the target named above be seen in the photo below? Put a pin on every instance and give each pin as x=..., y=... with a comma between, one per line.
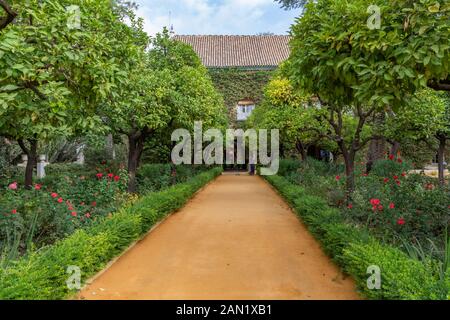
x=213, y=17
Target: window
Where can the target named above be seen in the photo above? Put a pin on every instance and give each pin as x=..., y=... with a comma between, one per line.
x=244, y=110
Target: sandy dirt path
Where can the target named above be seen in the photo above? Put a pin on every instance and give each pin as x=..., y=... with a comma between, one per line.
x=237, y=239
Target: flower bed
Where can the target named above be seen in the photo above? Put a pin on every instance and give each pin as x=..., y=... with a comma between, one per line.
x=56, y=207
x=42, y=275
x=408, y=211
x=354, y=249
x=71, y=197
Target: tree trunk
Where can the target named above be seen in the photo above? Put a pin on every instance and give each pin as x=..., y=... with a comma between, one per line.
x=135, y=149
x=441, y=158
x=303, y=153
x=376, y=152
x=349, y=160
x=32, y=160
x=10, y=15
x=395, y=148
x=377, y=146
x=110, y=147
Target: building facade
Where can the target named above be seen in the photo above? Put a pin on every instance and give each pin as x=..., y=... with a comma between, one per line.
x=240, y=67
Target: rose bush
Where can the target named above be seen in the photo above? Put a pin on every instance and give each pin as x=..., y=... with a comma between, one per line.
x=395, y=206
x=53, y=210
x=72, y=197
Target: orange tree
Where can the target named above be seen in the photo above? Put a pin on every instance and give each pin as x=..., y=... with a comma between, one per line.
x=53, y=75
x=358, y=70
x=294, y=113
x=167, y=88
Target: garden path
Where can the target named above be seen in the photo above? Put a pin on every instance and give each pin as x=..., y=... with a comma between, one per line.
x=236, y=239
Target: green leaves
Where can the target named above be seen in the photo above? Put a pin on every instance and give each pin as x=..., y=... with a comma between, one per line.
x=9, y=87
x=57, y=73
x=383, y=65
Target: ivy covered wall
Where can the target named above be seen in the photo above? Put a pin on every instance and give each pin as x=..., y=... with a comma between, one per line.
x=240, y=84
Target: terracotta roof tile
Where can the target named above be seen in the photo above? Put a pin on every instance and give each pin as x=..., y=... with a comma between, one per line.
x=239, y=51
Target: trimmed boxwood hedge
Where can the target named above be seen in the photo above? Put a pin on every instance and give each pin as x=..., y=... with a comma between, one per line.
x=355, y=250
x=42, y=275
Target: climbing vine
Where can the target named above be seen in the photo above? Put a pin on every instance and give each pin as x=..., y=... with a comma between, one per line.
x=238, y=84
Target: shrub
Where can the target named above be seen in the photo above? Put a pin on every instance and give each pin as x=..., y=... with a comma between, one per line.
x=55, y=170
x=389, y=168
x=155, y=177
x=401, y=277
x=52, y=211
x=43, y=276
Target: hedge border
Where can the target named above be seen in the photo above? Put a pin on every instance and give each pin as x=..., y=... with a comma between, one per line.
x=354, y=250
x=43, y=275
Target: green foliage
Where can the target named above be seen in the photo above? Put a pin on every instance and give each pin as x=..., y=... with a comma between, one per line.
x=424, y=117
x=317, y=175
x=154, y=177
x=412, y=208
x=168, y=88
x=415, y=199
x=390, y=168
x=55, y=170
x=353, y=63
x=42, y=275
x=51, y=74
x=401, y=277
x=292, y=112
x=237, y=84
x=60, y=204
x=355, y=250
x=292, y=4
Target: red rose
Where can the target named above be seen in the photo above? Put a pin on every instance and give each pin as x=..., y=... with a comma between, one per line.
x=375, y=202
x=14, y=211
x=392, y=205
x=38, y=187
x=398, y=182
x=54, y=195
x=399, y=160
x=404, y=174
x=350, y=206
x=386, y=180
x=338, y=178
x=429, y=186
x=110, y=175
x=94, y=204
x=88, y=215
x=395, y=177
x=74, y=214
x=99, y=175
x=401, y=221
x=391, y=157
x=60, y=200
x=116, y=178
x=380, y=208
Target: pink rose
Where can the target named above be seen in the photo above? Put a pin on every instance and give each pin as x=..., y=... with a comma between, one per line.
x=13, y=186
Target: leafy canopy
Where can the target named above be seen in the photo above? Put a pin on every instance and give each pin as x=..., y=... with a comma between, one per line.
x=336, y=55
x=53, y=76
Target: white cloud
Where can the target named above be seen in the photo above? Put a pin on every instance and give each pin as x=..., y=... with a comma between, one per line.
x=215, y=16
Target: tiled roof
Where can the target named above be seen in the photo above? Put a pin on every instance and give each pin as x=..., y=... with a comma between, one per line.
x=239, y=51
